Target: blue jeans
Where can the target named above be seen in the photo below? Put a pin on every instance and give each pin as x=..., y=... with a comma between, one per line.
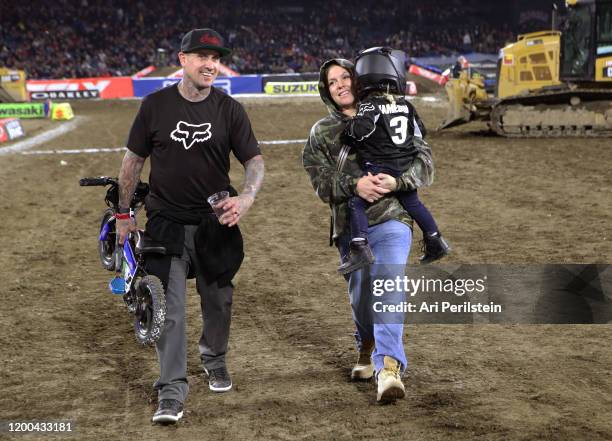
x=390, y=243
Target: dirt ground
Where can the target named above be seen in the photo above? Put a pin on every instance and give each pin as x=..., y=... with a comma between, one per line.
x=68, y=347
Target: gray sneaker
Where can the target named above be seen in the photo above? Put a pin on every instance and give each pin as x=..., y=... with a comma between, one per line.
x=219, y=379
x=168, y=412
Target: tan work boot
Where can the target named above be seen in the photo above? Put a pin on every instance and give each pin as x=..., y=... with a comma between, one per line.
x=390, y=386
x=364, y=368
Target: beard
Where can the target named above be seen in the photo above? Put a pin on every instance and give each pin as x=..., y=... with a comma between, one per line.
x=198, y=81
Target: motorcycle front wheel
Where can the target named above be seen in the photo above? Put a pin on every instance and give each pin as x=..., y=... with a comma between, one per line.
x=150, y=310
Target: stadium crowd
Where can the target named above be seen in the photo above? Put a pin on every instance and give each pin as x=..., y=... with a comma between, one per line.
x=87, y=38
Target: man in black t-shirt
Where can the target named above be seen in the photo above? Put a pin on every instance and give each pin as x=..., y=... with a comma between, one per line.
x=188, y=131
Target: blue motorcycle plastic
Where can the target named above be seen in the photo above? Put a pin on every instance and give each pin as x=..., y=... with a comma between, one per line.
x=142, y=293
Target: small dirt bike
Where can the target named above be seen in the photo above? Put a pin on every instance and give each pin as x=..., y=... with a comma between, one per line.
x=143, y=293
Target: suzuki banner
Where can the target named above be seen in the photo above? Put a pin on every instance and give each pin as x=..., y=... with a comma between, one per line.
x=292, y=87
x=81, y=88
x=231, y=85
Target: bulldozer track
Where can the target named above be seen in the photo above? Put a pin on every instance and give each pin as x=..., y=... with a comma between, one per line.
x=561, y=119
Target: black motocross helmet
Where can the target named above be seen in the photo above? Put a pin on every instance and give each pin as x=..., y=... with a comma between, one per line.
x=381, y=69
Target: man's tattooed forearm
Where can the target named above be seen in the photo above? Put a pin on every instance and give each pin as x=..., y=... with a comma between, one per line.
x=129, y=175
x=254, y=173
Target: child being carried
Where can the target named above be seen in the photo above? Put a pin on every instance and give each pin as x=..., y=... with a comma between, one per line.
x=383, y=133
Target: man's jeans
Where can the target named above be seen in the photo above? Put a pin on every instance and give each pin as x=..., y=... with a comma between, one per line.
x=390, y=243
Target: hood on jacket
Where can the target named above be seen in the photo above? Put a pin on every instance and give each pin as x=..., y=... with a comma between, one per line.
x=324, y=90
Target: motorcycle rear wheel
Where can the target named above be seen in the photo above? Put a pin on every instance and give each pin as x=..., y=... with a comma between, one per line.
x=106, y=247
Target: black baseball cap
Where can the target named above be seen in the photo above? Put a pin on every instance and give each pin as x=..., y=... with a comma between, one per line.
x=204, y=39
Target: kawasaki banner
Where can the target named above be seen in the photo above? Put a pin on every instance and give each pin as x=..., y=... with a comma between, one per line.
x=24, y=110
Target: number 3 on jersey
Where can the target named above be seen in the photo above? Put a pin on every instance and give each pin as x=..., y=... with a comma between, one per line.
x=400, y=124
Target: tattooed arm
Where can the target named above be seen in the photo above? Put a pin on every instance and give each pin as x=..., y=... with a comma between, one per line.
x=254, y=173
x=129, y=175
x=237, y=207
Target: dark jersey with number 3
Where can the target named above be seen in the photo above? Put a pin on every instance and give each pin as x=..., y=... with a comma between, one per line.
x=189, y=144
x=383, y=132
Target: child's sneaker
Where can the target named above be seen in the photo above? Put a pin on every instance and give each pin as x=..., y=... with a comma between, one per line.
x=434, y=247
x=360, y=256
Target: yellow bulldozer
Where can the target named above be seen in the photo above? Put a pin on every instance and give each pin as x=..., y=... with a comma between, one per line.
x=549, y=84
x=12, y=85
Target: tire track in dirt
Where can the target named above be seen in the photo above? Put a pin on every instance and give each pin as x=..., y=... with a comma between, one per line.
x=43, y=137
x=71, y=352
x=81, y=321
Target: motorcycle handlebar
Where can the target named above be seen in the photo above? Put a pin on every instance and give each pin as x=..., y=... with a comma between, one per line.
x=99, y=181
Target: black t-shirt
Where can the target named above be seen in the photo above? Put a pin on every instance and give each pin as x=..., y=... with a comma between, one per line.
x=383, y=132
x=189, y=145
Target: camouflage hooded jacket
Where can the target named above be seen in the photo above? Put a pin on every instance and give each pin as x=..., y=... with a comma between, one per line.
x=336, y=187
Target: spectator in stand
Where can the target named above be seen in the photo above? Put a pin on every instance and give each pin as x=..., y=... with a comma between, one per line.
x=96, y=38
x=467, y=42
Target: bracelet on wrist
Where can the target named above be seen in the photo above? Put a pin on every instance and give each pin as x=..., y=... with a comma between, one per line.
x=124, y=210
x=123, y=216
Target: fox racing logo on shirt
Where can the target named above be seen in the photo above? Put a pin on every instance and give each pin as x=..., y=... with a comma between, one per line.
x=190, y=133
x=365, y=108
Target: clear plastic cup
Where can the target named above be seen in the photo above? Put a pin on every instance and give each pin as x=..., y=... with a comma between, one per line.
x=216, y=200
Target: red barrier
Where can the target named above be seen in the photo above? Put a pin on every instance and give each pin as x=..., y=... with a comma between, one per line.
x=81, y=88
x=421, y=72
x=144, y=72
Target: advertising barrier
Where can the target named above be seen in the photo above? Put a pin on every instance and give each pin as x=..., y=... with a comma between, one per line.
x=291, y=87
x=10, y=128
x=24, y=110
x=81, y=88
x=231, y=85
x=61, y=111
